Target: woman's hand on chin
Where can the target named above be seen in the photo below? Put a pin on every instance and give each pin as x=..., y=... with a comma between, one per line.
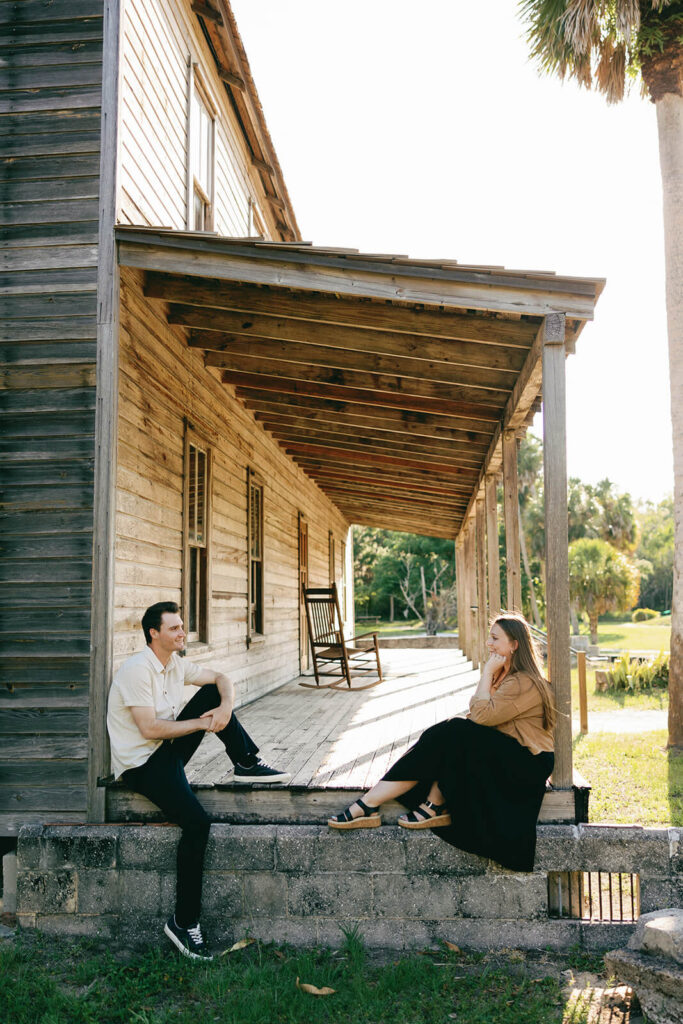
x=494, y=663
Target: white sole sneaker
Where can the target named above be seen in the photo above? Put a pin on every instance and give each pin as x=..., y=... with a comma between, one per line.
x=281, y=777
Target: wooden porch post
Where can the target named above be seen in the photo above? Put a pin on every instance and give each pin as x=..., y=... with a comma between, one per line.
x=474, y=597
x=460, y=589
x=483, y=614
x=493, y=557
x=469, y=595
x=107, y=383
x=511, y=511
x=556, y=541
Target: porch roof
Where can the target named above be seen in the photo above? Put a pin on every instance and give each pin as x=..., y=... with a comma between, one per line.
x=389, y=380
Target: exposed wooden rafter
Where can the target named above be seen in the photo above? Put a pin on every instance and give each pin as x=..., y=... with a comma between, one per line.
x=390, y=382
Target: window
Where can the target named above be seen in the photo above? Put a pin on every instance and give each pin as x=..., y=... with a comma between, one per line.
x=202, y=131
x=255, y=623
x=196, y=539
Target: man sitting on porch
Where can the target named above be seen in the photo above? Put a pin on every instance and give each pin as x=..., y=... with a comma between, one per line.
x=155, y=729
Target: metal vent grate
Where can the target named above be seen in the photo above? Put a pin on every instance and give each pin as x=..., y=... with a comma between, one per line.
x=594, y=895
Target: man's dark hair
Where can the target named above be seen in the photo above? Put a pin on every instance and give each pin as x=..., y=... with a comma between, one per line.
x=152, y=617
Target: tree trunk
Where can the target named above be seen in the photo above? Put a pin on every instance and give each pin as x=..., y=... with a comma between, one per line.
x=593, y=619
x=573, y=619
x=525, y=559
x=670, y=127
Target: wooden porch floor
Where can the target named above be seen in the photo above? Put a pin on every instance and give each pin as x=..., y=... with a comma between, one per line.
x=331, y=739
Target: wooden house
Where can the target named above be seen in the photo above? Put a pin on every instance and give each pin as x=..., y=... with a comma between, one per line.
x=196, y=404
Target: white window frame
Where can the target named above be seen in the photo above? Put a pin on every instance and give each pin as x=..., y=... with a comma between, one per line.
x=206, y=191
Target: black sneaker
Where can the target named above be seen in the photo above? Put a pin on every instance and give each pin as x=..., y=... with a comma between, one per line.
x=260, y=772
x=189, y=941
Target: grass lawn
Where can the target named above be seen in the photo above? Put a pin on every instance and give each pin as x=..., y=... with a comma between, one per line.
x=635, y=780
x=654, y=635
x=648, y=700
x=45, y=980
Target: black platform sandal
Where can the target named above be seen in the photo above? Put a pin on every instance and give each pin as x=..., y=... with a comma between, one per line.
x=368, y=819
x=420, y=818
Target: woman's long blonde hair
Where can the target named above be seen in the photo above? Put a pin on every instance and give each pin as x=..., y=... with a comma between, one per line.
x=527, y=659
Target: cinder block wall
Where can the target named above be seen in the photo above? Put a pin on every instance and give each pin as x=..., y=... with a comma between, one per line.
x=303, y=883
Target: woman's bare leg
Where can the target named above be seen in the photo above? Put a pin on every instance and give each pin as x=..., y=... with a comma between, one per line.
x=378, y=794
x=435, y=794
x=384, y=791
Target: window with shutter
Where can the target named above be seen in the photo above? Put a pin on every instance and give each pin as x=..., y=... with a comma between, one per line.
x=195, y=540
x=255, y=579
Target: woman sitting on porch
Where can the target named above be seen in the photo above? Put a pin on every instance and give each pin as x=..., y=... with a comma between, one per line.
x=479, y=780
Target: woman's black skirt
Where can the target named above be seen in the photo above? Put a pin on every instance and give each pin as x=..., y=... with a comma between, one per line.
x=492, y=784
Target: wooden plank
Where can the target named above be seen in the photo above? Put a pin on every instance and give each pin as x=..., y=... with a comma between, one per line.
x=325, y=344
x=511, y=516
x=40, y=721
x=339, y=310
x=479, y=417
x=20, y=798
x=375, y=459
x=492, y=550
x=391, y=381
x=353, y=442
x=557, y=559
x=36, y=12
x=384, y=418
x=45, y=748
x=309, y=270
x=327, y=475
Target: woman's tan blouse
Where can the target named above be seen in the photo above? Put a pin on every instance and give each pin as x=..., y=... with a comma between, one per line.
x=515, y=708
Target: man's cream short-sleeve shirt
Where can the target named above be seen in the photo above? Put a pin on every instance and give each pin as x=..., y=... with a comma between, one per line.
x=142, y=681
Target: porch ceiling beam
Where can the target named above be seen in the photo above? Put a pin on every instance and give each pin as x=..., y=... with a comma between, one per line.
x=453, y=455
x=317, y=411
x=342, y=310
x=422, y=530
x=421, y=456
x=374, y=459
x=477, y=415
x=375, y=383
x=345, y=474
x=214, y=329
x=416, y=479
x=411, y=521
x=389, y=500
x=306, y=269
x=237, y=351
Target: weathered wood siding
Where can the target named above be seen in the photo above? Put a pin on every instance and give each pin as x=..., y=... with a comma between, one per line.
x=50, y=86
x=160, y=43
x=162, y=382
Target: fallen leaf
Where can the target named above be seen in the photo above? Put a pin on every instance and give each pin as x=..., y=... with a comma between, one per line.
x=452, y=946
x=238, y=945
x=313, y=991
x=279, y=955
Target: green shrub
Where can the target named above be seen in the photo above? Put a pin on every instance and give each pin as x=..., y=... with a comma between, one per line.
x=643, y=614
x=635, y=677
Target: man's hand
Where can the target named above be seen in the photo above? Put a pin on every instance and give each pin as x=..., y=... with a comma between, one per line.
x=218, y=717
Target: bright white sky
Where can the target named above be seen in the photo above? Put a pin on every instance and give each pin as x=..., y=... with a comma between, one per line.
x=422, y=129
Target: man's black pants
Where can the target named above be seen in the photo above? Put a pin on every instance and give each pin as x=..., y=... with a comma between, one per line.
x=162, y=780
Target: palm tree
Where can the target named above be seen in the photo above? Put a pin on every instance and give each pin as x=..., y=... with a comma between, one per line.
x=601, y=579
x=609, y=44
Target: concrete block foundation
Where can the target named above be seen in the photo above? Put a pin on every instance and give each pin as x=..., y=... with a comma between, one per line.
x=303, y=884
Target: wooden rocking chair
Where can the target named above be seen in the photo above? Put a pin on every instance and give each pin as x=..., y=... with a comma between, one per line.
x=328, y=645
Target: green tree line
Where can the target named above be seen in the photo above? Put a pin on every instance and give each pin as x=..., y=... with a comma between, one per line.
x=621, y=554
